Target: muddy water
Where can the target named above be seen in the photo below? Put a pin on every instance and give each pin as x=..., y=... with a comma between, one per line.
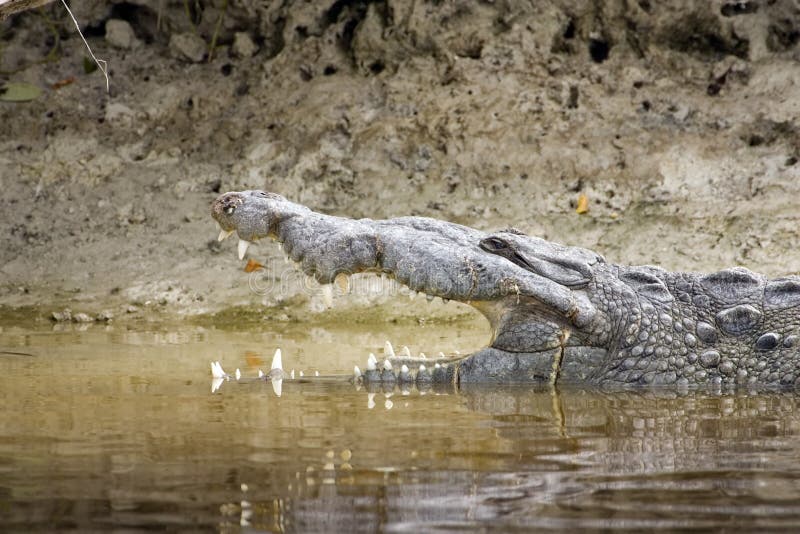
x=117, y=428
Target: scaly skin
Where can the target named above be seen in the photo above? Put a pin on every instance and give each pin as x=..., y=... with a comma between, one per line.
x=558, y=314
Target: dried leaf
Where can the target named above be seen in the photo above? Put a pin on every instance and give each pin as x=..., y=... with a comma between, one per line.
x=63, y=83
x=19, y=92
x=583, y=204
x=253, y=359
x=252, y=265
x=89, y=66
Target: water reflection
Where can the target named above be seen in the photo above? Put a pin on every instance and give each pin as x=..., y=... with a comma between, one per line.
x=116, y=429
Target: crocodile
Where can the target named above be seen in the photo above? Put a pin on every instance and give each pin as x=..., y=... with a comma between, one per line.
x=558, y=314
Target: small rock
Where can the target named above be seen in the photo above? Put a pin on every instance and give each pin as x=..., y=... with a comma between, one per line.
x=187, y=46
x=62, y=316
x=243, y=46
x=131, y=309
x=104, y=316
x=119, y=34
x=82, y=318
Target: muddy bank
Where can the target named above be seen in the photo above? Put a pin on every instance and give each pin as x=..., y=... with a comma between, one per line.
x=678, y=122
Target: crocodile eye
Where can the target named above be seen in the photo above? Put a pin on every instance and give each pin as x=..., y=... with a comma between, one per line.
x=493, y=244
x=229, y=209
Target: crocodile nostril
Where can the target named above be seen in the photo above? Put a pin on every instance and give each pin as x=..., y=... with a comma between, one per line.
x=229, y=209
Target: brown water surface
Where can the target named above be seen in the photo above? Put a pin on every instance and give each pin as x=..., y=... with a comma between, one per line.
x=112, y=428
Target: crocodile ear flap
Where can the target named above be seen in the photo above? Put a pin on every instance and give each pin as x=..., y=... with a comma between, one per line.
x=564, y=271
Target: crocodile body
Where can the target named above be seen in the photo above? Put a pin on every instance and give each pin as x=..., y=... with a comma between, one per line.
x=558, y=314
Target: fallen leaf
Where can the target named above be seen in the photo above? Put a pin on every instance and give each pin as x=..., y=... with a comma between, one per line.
x=62, y=83
x=583, y=204
x=252, y=265
x=253, y=359
x=19, y=92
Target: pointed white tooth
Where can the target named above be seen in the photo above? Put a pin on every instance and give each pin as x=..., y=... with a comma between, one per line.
x=277, y=361
x=387, y=366
x=356, y=372
x=343, y=281
x=441, y=355
x=370, y=401
x=301, y=373
x=422, y=356
x=238, y=374
x=243, y=248
x=457, y=352
x=316, y=373
x=372, y=359
x=436, y=366
x=371, y=364
x=405, y=351
x=327, y=295
x=217, y=371
x=291, y=375
x=277, y=386
x=422, y=368
x=223, y=235
x=404, y=368
x=280, y=246
x=388, y=351
x=260, y=373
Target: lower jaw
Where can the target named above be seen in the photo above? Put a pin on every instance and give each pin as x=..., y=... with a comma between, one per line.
x=559, y=365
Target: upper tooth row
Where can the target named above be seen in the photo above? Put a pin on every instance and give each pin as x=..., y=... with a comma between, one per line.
x=342, y=280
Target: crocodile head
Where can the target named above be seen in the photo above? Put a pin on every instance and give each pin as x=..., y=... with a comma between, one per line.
x=535, y=294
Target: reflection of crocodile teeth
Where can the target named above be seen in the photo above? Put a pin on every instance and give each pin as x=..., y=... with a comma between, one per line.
x=405, y=351
x=404, y=369
x=243, y=248
x=260, y=373
x=277, y=361
x=388, y=404
x=291, y=374
x=238, y=374
x=277, y=386
x=356, y=372
x=388, y=351
x=422, y=368
x=370, y=401
x=224, y=234
x=327, y=295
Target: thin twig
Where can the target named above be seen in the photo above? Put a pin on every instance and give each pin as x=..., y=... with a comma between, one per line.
x=102, y=64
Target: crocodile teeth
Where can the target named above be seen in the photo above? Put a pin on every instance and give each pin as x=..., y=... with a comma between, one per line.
x=436, y=366
x=217, y=371
x=388, y=404
x=343, y=281
x=277, y=386
x=405, y=351
x=291, y=375
x=277, y=361
x=243, y=248
x=370, y=401
x=356, y=372
x=224, y=234
x=316, y=373
x=404, y=369
x=215, y=384
x=422, y=356
x=388, y=351
x=327, y=295
x=260, y=373
x=301, y=374
x=422, y=368
x=387, y=365
x=441, y=355
x=372, y=359
x=238, y=374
